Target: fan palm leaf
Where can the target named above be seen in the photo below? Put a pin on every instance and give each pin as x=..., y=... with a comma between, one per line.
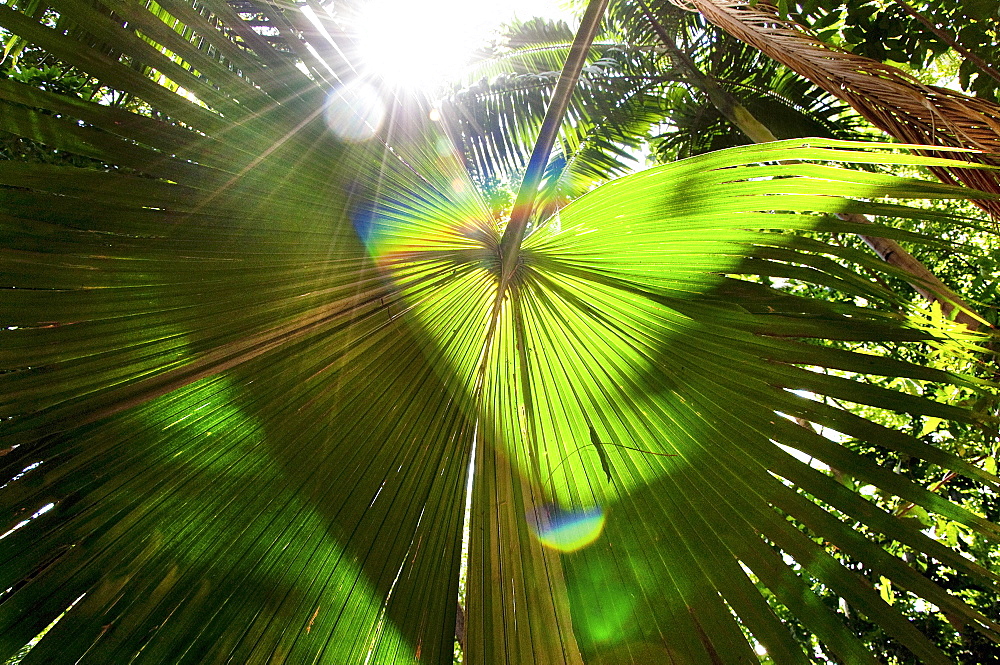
x=248, y=366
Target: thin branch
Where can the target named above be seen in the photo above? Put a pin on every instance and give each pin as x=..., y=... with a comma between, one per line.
x=460, y=629
x=871, y=273
x=948, y=477
x=926, y=284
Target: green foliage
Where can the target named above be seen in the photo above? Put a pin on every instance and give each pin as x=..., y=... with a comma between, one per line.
x=58, y=79
x=884, y=31
x=496, y=119
x=247, y=366
x=957, y=351
x=634, y=101
x=54, y=79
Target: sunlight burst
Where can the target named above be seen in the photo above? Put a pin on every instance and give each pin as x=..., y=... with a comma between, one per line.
x=417, y=45
x=420, y=45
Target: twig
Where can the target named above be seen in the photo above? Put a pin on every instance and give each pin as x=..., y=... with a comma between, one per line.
x=937, y=486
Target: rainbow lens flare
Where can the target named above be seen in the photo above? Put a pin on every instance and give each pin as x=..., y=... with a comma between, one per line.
x=565, y=530
x=355, y=112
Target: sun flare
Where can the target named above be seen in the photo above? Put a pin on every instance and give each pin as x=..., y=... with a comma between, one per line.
x=421, y=45
x=417, y=45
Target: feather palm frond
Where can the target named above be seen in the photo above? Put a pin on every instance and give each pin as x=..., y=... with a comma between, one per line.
x=616, y=102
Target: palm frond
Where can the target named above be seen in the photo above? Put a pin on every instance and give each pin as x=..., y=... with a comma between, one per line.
x=633, y=349
x=610, y=114
x=887, y=97
x=532, y=46
x=246, y=367
x=793, y=108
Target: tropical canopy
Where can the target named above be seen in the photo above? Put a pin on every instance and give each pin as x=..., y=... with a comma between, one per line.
x=269, y=358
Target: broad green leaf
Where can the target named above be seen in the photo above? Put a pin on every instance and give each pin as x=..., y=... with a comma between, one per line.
x=247, y=367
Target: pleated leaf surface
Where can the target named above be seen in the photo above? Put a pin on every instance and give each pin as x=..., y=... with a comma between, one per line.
x=247, y=366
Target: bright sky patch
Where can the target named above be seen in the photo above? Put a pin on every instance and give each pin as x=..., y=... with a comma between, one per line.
x=418, y=45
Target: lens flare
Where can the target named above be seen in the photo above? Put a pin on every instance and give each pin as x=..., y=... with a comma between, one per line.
x=355, y=112
x=366, y=225
x=566, y=531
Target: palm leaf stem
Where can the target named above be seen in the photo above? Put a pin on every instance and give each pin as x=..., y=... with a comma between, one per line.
x=926, y=283
x=510, y=243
